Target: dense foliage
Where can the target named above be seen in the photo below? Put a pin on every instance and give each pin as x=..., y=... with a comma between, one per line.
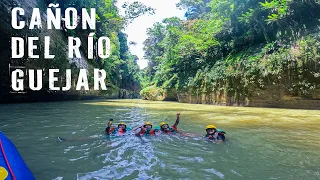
x=121, y=67
x=234, y=47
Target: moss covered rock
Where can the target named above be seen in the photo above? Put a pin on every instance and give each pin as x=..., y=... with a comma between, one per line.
x=152, y=93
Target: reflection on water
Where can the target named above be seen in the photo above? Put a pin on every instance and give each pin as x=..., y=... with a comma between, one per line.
x=262, y=143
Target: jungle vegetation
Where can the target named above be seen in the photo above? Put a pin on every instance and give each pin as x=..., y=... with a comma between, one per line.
x=233, y=48
x=121, y=67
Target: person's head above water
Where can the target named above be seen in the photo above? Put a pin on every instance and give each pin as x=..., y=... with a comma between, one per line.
x=164, y=126
x=211, y=129
x=147, y=125
x=122, y=125
x=121, y=128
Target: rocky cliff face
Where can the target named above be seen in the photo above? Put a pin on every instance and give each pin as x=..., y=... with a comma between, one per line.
x=286, y=77
x=274, y=96
x=58, y=47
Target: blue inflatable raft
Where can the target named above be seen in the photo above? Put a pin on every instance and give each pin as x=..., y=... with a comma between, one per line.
x=12, y=165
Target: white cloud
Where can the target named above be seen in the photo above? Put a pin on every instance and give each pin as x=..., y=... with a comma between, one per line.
x=137, y=29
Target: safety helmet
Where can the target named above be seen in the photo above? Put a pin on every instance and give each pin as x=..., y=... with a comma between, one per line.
x=211, y=126
x=122, y=123
x=147, y=123
x=163, y=123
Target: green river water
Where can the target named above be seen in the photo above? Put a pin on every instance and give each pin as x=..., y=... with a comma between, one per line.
x=262, y=143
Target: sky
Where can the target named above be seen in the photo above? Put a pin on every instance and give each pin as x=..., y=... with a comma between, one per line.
x=137, y=29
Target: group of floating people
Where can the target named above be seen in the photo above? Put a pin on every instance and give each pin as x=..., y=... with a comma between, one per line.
x=147, y=129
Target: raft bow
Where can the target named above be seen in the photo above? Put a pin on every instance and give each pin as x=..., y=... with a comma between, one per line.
x=13, y=166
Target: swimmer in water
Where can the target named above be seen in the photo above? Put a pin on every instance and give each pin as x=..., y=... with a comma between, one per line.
x=166, y=129
x=121, y=129
x=214, y=134
x=146, y=130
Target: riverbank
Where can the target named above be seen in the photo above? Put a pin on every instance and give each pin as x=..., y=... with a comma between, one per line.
x=123, y=94
x=274, y=96
x=268, y=100
x=50, y=96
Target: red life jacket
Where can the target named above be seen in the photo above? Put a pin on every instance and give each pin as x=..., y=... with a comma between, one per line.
x=120, y=131
x=111, y=130
x=151, y=132
x=172, y=129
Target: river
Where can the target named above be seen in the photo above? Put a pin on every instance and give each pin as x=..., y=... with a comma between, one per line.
x=262, y=143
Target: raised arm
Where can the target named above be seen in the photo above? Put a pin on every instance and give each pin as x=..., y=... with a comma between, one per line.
x=177, y=120
x=108, y=127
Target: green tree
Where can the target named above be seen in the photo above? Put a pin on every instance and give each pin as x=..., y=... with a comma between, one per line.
x=236, y=47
